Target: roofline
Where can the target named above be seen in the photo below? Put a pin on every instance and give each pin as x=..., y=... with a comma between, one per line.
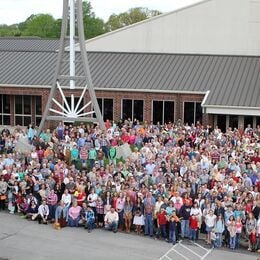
x=147, y=20
x=243, y=111
x=112, y=89
x=26, y=86
x=153, y=91
x=176, y=53
x=205, y=98
x=143, y=52
x=230, y=107
x=29, y=51
x=27, y=38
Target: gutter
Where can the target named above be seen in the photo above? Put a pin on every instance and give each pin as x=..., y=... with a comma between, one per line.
x=113, y=89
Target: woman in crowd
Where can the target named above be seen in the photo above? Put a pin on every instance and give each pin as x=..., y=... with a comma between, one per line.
x=100, y=212
x=66, y=198
x=74, y=214
x=61, y=214
x=250, y=226
x=210, y=220
x=32, y=210
x=219, y=229
x=128, y=214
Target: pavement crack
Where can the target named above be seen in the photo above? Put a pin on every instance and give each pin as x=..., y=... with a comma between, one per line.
x=6, y=235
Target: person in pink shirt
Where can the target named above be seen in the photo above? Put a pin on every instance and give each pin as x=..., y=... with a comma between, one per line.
x=74, y=214
x=52, y=201
x=132, y=137
x=178, y=204
x=239, y=226
x=120, y=203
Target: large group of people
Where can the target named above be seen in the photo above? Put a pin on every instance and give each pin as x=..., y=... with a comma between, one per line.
x=178, y=181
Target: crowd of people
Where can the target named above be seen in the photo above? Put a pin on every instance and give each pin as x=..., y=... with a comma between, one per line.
x=178, y=181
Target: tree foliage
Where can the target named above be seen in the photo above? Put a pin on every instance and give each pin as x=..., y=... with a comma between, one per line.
x=132, y=16
x=41, y=25
x=46, y=26
x=11, y=30
x=93, y=26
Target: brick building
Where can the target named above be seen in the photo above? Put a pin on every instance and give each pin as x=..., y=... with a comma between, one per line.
x=198, y=63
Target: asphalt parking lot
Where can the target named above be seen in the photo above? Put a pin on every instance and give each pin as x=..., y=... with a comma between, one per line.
x=21, y=239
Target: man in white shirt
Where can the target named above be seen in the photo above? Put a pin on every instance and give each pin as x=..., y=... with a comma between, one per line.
x=111, y=220
x=43, y=213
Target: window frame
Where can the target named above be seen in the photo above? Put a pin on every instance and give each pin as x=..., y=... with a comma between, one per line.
x=163, y=110
x=133, y=109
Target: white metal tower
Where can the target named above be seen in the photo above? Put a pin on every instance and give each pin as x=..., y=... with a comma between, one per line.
x=72, y=69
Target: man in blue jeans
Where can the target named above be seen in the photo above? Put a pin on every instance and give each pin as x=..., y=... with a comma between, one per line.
x=149, y=203
x=185, y=215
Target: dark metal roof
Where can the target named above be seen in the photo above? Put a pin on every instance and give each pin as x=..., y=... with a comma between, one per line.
x=28, y=44
x=231, y=80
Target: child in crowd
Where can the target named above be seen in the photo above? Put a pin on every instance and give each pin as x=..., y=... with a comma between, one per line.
x=239, y=226
x=253, y=240
x=232, y=234
x=173, y=221
x=213, y=238
x=161, y=223
x=193, y=226
x=138, y=220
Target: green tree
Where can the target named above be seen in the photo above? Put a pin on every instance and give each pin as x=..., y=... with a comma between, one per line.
x=41, y=25
x=93, y=26
x=132, y=16
x=11, y=30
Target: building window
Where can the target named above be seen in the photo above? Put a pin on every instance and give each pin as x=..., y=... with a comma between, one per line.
x=5, y=111
x=133, y=109
x=248, y=120
x=221, y=123
x=23, y=110
x=258, y=120
x=38, y=109
x=106, y=106
x=233, y=121
x=163, y=111
x=192, y=112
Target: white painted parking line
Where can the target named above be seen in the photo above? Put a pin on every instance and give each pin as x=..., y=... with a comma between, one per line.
x=180, y=249
x=180, y=254
x=165, y=255
x=194, y=253
x=204, y=257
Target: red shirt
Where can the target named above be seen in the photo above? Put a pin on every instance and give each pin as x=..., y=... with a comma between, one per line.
x=253, y=238
x=125, y=138
x=161, y=217
x=193, y=223
x=81, y=197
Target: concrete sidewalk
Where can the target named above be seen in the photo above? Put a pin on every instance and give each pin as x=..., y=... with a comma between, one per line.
x=22, y=239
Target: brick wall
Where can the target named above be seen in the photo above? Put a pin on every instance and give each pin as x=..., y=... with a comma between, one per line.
x=117, y=97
